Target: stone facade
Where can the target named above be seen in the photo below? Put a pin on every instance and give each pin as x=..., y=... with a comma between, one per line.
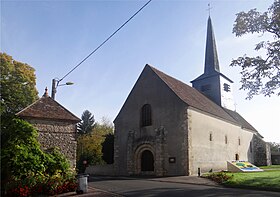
x=132, y=139
x=58, y=134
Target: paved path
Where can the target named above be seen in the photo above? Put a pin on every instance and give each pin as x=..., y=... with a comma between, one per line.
x=170, y=186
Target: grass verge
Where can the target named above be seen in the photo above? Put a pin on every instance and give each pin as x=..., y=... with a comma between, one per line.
x=267, y=180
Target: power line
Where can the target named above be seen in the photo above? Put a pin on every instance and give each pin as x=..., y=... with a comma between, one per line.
x=105, y=41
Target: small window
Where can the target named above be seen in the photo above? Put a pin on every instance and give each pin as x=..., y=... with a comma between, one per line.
x=239, y=141
x=226, y=140
x=205, y=87
x=226, y=87
x=146, y=115
x=211, y=137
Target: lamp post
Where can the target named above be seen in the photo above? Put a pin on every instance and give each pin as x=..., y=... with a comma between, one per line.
x=55, y=84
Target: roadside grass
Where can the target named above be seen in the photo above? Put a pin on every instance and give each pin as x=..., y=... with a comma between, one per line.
x=269, y=179
x=272, y=167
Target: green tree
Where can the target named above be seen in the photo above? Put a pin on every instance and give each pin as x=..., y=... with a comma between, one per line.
x=17, y=83
x=20, y=152
x=108, y=148
x=22, y=158
x=87, y=123
x=89, y=146
x=260, y=75
x=274, y=147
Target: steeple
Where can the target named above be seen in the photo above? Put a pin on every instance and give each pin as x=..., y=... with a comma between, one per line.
x=211, y=56
x=212, y=83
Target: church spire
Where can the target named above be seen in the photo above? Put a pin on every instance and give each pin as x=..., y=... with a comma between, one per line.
x=211, y=56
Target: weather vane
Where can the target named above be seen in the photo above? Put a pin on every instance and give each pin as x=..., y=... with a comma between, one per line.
x=209, y=8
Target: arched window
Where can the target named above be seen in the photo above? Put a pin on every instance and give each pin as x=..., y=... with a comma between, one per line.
x=146, y=115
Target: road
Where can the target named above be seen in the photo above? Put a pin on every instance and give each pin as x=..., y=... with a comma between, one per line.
x=168, y=187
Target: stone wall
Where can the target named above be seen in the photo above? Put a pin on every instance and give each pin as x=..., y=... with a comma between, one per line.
x=103, y=170
x=212, y=153
x=275, y=158
x=262, y=154
x=58, y=134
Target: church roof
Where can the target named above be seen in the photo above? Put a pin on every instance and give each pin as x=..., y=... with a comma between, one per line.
x=192, y=97
x=197, y=100
x=47, y=108
x=240, y=119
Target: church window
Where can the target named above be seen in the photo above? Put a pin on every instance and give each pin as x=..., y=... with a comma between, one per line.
x=205, y=87
x=226, y=87
x=211, y=137
x=239, y=141
x=226, y=140
x=146, y=115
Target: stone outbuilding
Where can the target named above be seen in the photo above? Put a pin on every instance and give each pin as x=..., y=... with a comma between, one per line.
x=55, y=124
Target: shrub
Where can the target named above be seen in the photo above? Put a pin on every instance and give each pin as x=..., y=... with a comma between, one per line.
x=43, y=184
x=26, y=170
x=219, y=177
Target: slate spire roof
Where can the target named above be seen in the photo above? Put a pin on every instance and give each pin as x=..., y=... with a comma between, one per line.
x=47, y=108
x=211, y=56
x=211, y=64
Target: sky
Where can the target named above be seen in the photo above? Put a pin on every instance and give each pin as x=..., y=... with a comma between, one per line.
x=54, y=36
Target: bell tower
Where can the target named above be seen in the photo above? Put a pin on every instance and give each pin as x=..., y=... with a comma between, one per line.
x=212, y=83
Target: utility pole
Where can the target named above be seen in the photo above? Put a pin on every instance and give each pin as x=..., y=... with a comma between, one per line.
x=55, y=84
x=53, y=89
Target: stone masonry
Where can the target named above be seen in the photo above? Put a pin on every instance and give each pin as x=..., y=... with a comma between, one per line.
x=55, y=124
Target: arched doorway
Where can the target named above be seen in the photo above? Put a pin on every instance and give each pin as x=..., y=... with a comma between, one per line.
x=236, y=157
x=147, y=161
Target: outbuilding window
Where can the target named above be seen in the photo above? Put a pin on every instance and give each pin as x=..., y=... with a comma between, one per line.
x=146, y=115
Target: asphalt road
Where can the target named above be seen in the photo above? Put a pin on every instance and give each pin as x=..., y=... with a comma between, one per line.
x=157, y=187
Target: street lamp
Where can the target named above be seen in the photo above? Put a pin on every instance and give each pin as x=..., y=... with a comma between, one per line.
x=55, y=84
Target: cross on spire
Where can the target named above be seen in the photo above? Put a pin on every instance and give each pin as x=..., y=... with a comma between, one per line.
x=209, y=8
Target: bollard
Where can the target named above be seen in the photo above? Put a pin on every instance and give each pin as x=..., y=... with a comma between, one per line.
x=82, y=183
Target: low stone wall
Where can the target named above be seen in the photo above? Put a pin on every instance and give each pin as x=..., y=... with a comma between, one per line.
x=105, y=170
x=262, y=154
x=275, y=158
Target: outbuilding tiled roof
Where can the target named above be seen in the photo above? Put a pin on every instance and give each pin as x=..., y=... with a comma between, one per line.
x=47, y=108
x=195, y=99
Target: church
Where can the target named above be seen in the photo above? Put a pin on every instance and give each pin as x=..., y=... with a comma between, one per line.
x=168, y=128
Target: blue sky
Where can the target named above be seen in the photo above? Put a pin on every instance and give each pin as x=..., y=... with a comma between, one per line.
x=53, y=36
